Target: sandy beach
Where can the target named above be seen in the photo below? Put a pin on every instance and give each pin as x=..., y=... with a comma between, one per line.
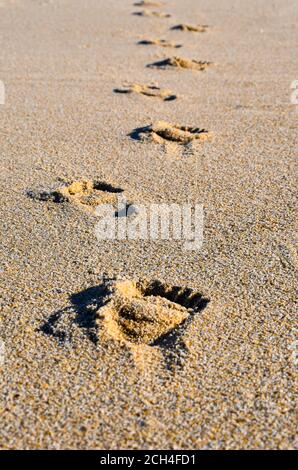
x=144, y=344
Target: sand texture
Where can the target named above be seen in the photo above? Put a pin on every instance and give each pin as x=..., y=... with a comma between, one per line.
x=133, y=344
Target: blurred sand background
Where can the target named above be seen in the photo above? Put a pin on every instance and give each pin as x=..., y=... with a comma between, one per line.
x=234, y=386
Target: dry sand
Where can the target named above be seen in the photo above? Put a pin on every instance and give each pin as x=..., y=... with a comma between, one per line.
x=75, y=376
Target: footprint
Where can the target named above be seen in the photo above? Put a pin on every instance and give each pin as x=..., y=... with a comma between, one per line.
x=182, y=63
x=163, y=132
x=156, y=14
x=188, y=27
x=159, y=42
x=148, y=317
x=86, y=194
x=144, y=312
x=147, y=90
x=148, y=3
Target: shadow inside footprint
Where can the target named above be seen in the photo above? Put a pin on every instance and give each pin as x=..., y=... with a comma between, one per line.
x=158, y=42
x=124, y=91
x=160, y=64
x=103, y=186
x=171, y=98
x=137, y=133
x=81, y=311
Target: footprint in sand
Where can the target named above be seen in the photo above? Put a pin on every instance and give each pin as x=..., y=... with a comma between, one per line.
x=148, y=317
x=147, y=90
x=163, y=132
x=159, y=42
x=147, y=3
x=86, y=194
x=188, y=27
x=156, y=14
x=145, y=312
x=181, y=63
